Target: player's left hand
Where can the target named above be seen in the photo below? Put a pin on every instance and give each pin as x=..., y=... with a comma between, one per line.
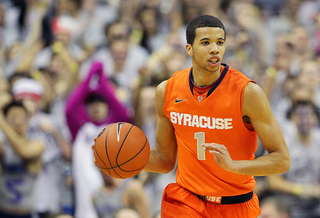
x=221, y=155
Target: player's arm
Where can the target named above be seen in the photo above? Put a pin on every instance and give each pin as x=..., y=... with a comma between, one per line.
x=163, y=157
x=256, y=106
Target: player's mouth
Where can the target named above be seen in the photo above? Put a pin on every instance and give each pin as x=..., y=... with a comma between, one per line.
x=213, y=62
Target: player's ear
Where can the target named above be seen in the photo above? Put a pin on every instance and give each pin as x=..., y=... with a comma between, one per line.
x=189, y=50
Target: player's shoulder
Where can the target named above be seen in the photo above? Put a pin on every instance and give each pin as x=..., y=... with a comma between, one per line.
x=186, y=70
x=161, y=87
x=181, y=73
x=253, y=90
x=179, y=76
x=253, y=94
x=254, y=99
x=161, y=91
x=165, y=85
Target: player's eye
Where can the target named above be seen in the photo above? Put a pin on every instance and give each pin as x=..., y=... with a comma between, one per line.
x=220, y=43
x=205, y=43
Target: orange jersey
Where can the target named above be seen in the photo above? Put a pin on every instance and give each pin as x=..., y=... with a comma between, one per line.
x=216, y=118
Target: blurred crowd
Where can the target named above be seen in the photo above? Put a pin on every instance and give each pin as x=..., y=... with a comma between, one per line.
x=68, y=68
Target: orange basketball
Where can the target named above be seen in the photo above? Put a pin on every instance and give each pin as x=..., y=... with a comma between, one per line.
x=121, y=150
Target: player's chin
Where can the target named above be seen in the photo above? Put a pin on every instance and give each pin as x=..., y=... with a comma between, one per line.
x=211, y=68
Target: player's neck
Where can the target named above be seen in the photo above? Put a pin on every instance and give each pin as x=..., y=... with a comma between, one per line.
x=204, y=78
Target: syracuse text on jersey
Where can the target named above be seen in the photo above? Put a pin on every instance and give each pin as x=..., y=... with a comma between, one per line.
x=200, y=121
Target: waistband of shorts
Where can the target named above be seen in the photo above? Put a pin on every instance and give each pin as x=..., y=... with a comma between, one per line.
x=237, y=199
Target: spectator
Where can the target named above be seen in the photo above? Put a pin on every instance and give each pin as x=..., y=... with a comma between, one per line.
x=102, y=105
x=296, y=92
x=92, y=106
x=60, y=25
x=126, y=213
x=153, y=30
x=153, y=185
x=272, y=207
x=145, y=113
x=20, y=155
x=122, y=59
x=119, y=193
x=310, y=76
x=86, y=175
x=300, y=186
x=93, y=16
x=57, y=149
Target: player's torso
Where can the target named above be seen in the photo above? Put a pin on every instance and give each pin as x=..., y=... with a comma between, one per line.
x=218, y=119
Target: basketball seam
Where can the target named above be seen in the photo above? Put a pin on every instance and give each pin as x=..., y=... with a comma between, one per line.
x=123, y=141
x=106, y=148
x=132, y=157
x=95, y=150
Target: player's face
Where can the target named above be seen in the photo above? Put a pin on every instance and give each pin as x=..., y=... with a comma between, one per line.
x=208, y=49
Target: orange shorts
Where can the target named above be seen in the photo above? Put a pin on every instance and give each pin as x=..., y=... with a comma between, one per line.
x=179, y=202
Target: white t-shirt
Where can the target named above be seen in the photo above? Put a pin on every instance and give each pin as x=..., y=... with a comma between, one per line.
x=87, y=176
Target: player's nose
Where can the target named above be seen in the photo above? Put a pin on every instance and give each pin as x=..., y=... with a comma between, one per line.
x=214, y=48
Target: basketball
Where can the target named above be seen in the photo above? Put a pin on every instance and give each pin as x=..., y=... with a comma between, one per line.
x=121, y=150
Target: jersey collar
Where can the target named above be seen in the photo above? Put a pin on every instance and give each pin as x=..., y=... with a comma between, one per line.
x=215, y=85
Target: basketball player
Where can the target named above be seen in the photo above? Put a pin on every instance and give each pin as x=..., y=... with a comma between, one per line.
x=20, y=160
x=209, y=117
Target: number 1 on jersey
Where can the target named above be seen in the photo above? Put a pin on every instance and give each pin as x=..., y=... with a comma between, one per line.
x=200, y=136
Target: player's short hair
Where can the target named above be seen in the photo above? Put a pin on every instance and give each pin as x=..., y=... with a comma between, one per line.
x=12, y=104
x=202, y=21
